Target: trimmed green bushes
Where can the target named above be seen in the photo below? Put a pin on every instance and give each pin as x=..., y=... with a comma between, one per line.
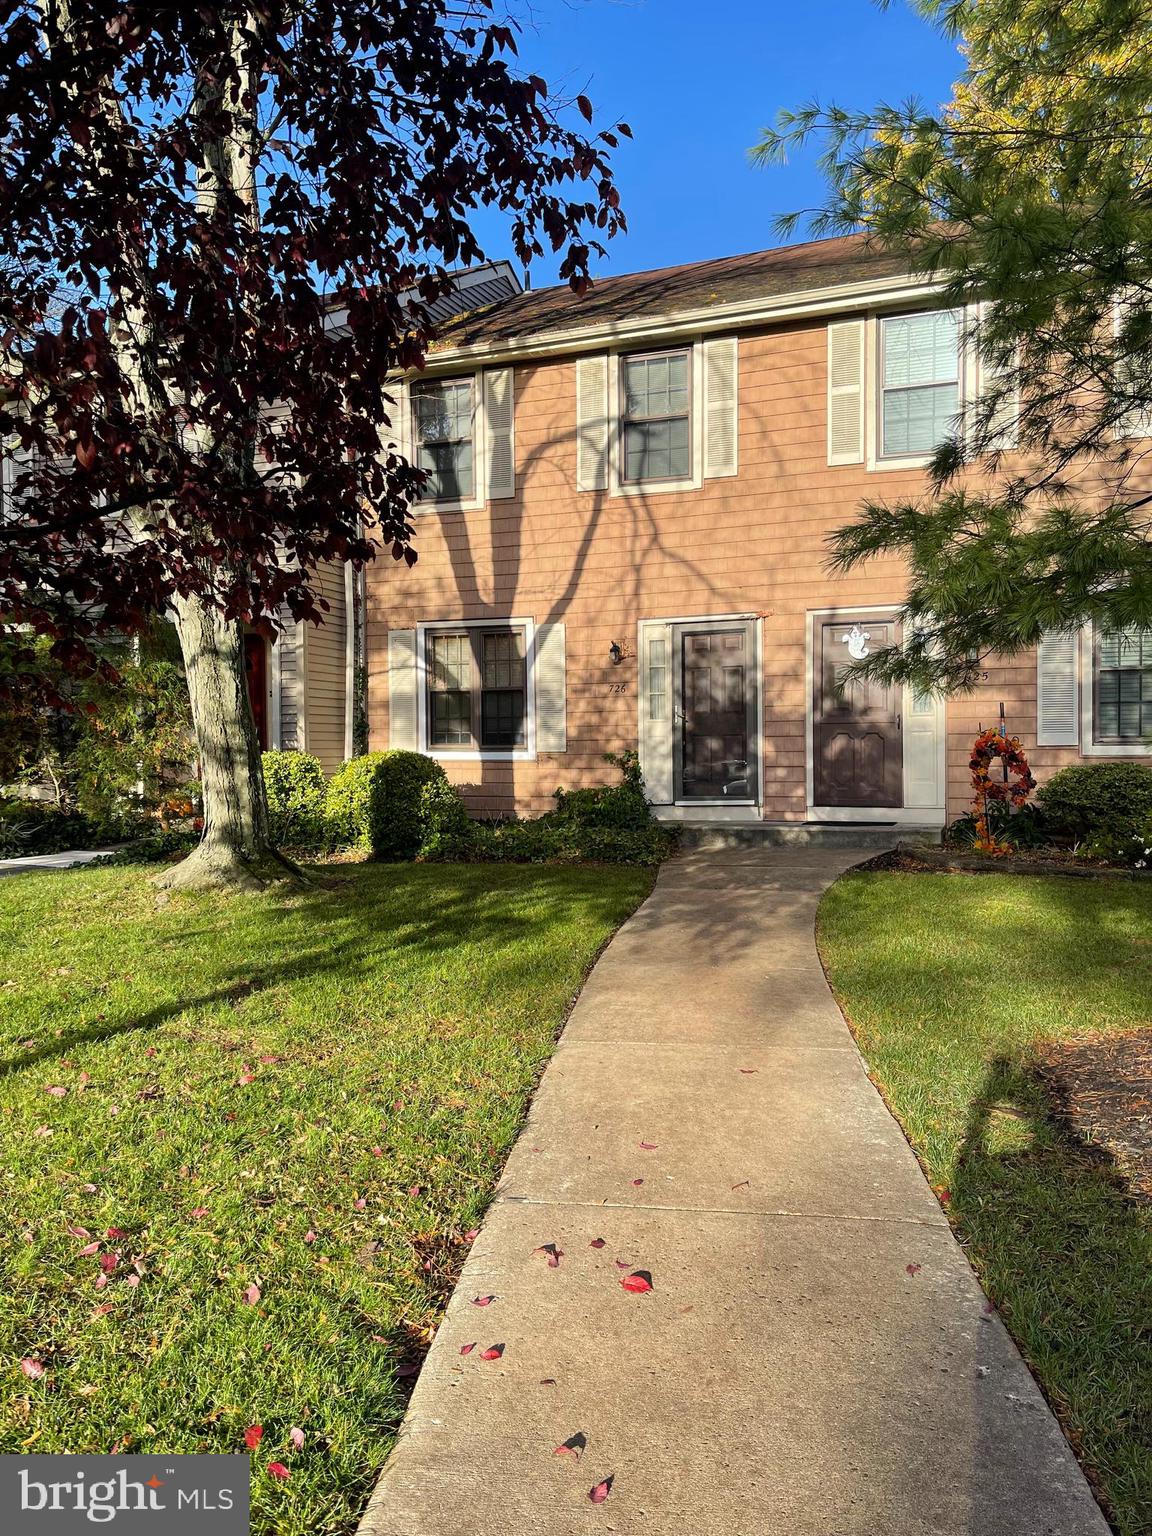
x=297, y=793
x=1087, y=799
x=374, y=803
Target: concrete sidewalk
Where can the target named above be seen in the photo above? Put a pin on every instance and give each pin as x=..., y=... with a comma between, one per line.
x=815, y=1357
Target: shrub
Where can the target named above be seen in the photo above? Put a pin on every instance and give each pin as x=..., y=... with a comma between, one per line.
x=448, y=831
x=620, y=805
x=1088, y=798
x=39, y=826
x=1130, y=845
x=1026, y=827
x=374, y=803
x=297, y=794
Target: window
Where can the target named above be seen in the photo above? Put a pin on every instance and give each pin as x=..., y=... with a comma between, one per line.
x=442, y=425
x=1123, y=686
x=477, y=688
x=919, y=382
x=657, y=417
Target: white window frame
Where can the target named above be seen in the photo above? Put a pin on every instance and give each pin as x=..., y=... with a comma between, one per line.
x=966, y=387
x=444, y=754
x=617, y=485
x=479, y=441
x=1089, y=746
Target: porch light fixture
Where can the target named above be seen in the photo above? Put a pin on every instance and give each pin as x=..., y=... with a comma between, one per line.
x=616, y=653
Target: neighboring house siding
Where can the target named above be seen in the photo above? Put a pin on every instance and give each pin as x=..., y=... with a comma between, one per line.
x=752, y=543
x=325, y=674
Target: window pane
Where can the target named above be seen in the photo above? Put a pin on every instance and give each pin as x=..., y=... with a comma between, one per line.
x=918, y=420
x=502, y=717
x=451, y=719
x=442, y=423
x=657, y=678
x=1124, y=686
x=502, y=655
x=451, y=661
x=921, y=349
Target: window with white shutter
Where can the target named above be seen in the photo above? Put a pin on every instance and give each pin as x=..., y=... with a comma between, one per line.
x=920, y=394
x=592, y=423
x=846, y=392
x=1057, y=714
x=499, y=421
x=721, y=432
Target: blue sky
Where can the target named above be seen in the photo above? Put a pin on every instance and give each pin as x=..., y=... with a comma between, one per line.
x=697, y=79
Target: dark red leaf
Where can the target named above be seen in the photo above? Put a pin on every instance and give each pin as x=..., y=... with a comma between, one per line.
x=575, y=1445
x=483, y=1301
x=637, y=1282
x=601, y=1490
x=636, y=1183
x=597, y=1242
x=466, y=1349
x=913, y=1269
x=253, y=1436
x=278, y=1470
x=493, y=1352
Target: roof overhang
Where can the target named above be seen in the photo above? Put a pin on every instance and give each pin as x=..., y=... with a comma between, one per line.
x=767, y=310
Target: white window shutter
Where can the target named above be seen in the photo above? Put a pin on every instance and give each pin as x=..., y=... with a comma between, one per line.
x=499, y=414
x=1057, y=716
x=551, y=686
x=846, y=392
x=720, y=405
x=396, y=436
x=592, y=423
x=403, y=691
x=1136, y=422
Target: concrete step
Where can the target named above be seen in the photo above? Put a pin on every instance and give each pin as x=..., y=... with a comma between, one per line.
x=801, y=834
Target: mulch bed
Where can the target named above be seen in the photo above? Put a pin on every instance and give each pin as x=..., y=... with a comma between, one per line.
x=911, y=859
x=1102, y=1091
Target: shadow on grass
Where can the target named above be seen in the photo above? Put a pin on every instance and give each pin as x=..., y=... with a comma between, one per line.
x=1064, y=1253
x=352, y=923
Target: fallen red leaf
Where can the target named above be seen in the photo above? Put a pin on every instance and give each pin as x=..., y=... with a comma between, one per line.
x=575, y=1445
x=361, y=1204
x=470, y=1237
x=636, y=1183
x=597, y=1242
x=493, y=1352
x=77, y=1231
x=466, y=1349
x=56, y=1091
x=297, y=1437
x=377, y=1151
x=108, y=1262
x=483, y=1301
x=253, y=1436
x=648, y=1146
x=89, y=1249
x=548, y=1381
x=637, y=1282
x=623, y=1263
x=278, y=1469
x=252, y=1294
x=197, y=1211
x=601, y=1490
x=912, y=1269
x=309, y=1236
x=551, y=1253
x=114, y=1233
x=33, y=1369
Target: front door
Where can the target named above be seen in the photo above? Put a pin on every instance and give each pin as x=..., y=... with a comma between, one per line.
x=715, y=686
x=856, y=724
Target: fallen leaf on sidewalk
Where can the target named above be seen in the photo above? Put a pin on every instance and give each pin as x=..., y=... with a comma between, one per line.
x=743, y=1184
x=601, y=1490
x=638, y=1282
x=483, y=1301
x=551, y=1252
x=913, y=1269
x=573, y=1446
x=466, y=1349
x=493, y=1352
x=636, y=1183
x=648, y=1146
x=748, y=1071
x=597, y=1242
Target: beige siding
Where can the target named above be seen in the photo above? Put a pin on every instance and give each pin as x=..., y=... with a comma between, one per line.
x=598, y=563
x=325, y=675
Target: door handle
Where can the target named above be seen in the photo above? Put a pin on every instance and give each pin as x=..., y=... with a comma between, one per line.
x=899, y=722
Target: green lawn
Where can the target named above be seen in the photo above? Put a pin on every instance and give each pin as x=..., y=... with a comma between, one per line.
x=949, y=984
x=281, y=1117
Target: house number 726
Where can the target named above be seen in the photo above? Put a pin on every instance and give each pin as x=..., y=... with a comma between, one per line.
x=617, y=687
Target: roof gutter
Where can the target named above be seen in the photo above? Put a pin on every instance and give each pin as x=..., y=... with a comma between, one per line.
x=716, y=317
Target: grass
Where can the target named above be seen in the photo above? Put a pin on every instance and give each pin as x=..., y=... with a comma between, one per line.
x=308, y=1096
x=950, y=983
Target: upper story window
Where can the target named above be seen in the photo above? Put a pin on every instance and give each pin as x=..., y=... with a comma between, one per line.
x=919, y=382
x=477, y=688
x=1123, y=686
x=657, y=412
x=443, y=426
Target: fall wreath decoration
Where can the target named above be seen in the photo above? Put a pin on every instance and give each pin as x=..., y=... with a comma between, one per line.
x=988, y=746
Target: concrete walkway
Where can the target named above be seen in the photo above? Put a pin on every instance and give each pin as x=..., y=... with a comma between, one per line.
x=815, y=1357
x=67, y=860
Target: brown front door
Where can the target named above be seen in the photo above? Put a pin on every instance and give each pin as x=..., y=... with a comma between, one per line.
x=256, y=669
x=856, y=725
x=716, y=688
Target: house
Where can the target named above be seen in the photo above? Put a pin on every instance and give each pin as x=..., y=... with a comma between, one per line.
x=623, y=546
x=302, y=687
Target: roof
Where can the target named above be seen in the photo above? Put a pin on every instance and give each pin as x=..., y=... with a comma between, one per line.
x=478, y=287
x=674, y=290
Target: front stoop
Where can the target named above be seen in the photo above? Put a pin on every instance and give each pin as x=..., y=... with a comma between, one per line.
x=802, y=834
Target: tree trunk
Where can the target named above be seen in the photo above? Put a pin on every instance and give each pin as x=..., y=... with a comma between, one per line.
x=235, y=850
